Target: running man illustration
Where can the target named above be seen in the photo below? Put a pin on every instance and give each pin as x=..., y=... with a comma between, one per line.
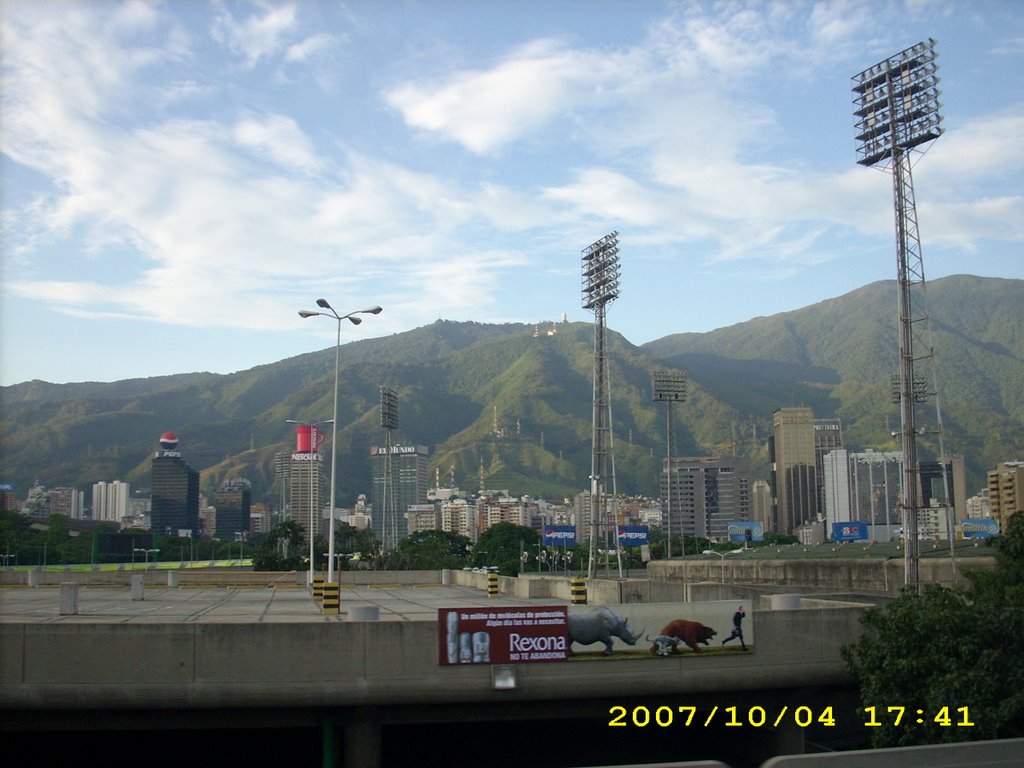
x=737, y=628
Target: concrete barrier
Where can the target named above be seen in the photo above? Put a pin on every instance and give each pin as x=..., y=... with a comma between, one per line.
x=852, y=575
x=74, y=665
x=784, y=602
x=138, y=587
x=69, y=599
x=364, y=613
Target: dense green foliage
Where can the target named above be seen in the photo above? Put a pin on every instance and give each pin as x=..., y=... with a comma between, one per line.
x=431, y=550
x=519, y=406
x=945, y=650
x=510, y=547
x=56, y=541
x=283, y=549
x=22, y=543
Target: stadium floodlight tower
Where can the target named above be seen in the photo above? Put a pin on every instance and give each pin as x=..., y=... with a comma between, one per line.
x=896, y=104
x=670, y=387
x=389, y=421
x=600, y=266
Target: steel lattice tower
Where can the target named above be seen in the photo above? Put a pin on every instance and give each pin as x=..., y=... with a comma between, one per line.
x=600, y=267
x=897, y=109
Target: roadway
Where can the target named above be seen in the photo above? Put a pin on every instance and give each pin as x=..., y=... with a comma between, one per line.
x=254, y=605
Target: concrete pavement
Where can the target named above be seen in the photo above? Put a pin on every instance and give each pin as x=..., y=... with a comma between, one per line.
x=113, y=604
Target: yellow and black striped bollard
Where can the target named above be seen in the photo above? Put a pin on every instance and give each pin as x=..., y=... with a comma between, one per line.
x=318, y=588
x=332, y=599
x=578, y=591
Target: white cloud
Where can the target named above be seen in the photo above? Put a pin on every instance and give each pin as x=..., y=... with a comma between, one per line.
x=170, y=187
x=984, y=147
x=309, y=47
x=257, y=36
x=484, y=109
x=279, y=138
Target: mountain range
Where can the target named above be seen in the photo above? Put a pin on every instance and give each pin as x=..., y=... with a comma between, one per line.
x=511, y=405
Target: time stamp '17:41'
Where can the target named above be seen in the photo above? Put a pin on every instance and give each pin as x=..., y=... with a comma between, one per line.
x=898, y=715
x=757, y=716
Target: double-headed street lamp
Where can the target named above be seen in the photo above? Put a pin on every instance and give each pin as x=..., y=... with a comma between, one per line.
x=721, y=570
x=351, y=317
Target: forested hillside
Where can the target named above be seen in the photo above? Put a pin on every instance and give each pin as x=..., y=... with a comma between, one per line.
x=516, y=404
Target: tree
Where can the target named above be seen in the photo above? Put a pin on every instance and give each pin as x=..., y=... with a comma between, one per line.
x=282, y=549
x=502, y=545
x=433, y=550
x=948, y=652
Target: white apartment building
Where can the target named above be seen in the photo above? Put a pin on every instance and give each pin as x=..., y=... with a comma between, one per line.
x=110, y=501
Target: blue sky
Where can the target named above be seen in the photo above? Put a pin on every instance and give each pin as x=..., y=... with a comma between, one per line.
x=180, y=178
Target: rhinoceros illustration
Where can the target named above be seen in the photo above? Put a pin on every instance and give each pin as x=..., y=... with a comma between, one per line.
x=600, y=624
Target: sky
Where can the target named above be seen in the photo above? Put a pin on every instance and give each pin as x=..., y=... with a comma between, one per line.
x=179, y=179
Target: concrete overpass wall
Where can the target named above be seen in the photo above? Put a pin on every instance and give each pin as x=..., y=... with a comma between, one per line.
x=849, y=575
x=112, y=666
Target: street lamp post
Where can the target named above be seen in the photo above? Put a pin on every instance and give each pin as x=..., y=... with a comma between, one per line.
x=721, y=570
x=240, y=538
x=351, y=317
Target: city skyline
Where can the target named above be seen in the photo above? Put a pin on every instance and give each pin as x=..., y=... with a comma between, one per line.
x=180, y=180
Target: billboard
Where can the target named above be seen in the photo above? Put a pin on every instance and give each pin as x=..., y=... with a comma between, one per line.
x=592, y=633
x=855, y=530
x=979, y=527
x=632, y=535
x=738, y=531
x=502, y=635
x=559, y=536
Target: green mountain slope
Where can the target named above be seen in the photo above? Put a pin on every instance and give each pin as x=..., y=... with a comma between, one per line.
x=518, y=405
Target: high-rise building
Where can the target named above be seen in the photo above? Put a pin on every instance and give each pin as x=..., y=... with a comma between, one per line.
x=794, y=474
x=828, y=436
x=423, y=517
x=761, y=493
x=234, y=503
x=1006, y=491
x=503, y=509
x=835, y=483
x=935, y=487
x=862, y=487
x=708, y=493
x=408, y=487
x=68, y=502
x=459, y=516
x=175, y=491
x=866, y=487
x=307, y=481
x=110, y=501
x=280, y=488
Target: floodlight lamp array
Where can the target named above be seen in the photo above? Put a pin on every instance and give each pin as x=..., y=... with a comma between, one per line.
x=919, y=393
x=600, y=263
x=670, y=386
x=896, y=103
x=388, y=408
